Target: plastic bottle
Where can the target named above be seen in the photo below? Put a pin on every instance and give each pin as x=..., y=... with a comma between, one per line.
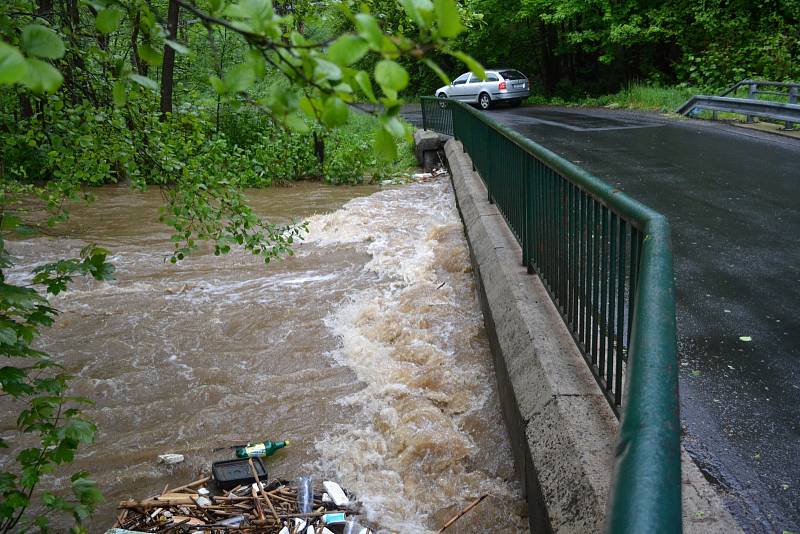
x=267, y=448
x=305, y=495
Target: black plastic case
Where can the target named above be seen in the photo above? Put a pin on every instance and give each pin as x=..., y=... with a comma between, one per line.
x=231, y=473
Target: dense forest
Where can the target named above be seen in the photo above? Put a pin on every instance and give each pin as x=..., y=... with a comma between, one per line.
x=572, y=48
x=204, y=98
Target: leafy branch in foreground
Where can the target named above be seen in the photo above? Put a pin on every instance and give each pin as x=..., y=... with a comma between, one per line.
x=50, y=421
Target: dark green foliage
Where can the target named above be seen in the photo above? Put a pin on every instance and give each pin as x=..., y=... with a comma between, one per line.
x=574, y=48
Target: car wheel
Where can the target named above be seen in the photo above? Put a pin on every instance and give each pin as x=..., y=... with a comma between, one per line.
x=485, y=101
x=442, y=98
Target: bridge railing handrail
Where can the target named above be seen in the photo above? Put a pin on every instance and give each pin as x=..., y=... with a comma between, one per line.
x=606, y=261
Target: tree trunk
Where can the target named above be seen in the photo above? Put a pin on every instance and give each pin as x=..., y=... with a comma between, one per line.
x=319, y=149
x=25, y=107
x=169, y=60
x=138, y=63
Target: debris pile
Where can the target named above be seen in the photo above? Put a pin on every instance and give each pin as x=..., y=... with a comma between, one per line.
x=417, y=177
x=279, y=507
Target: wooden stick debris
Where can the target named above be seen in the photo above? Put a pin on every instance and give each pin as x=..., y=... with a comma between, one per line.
x=257, y=503
x=456, y=517
x=198, y=482
x=261, y=490
x=182, y=509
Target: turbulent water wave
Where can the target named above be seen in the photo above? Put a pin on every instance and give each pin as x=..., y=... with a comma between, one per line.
x=412, y=339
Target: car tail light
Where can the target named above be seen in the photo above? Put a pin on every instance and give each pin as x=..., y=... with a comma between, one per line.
x=502, y=86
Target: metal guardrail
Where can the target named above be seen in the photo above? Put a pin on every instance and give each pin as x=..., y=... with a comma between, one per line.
x=791, y=93
x=606, y=261
x=788, y=111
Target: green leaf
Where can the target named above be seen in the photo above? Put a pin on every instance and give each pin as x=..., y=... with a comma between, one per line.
x=16, y=499
x=42, y=77
x=390, y=75
x=447, y=18
x=144, y=81
x=150, y=54
x=8, y=336
x=394, y=126
x=80, y=430
x=474, y=67
x=418, y=11
x=311, y=107
x=438, y=70
x=239, y=78
x=179, y=48
x=335, y=112
x=365, y=84
x=325, y=70
x=119, y=94
x=255, y=9
x=86, y=491
x=29, y=456
x=108, y=20
x=217, y=84
x=12, y=64
x=385, y=147
x=216, y=6
x=368, y=28
x=296, y=123
x=347, y=49
x=41, y=41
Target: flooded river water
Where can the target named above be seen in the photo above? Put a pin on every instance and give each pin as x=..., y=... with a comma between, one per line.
x=366, y=350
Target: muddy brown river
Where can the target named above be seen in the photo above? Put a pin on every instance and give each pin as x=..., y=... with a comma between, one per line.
x=366, y=350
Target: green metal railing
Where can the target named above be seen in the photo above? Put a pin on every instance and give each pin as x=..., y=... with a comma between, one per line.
x=606, y=261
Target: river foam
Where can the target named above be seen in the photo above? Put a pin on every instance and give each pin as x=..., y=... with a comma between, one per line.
x=415, y=340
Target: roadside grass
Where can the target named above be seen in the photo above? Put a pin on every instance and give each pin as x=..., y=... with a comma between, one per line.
x=634, y=96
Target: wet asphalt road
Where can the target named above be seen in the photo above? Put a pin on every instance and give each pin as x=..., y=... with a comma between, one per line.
x=733, y=199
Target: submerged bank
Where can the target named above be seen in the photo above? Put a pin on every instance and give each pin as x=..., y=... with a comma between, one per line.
x=366, y=350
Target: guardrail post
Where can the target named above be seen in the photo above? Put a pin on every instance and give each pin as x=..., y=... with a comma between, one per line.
x=792, y=100
x=751, y=93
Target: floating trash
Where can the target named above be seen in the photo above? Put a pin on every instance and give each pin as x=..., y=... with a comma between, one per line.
x=170, y=458
x=272, y=507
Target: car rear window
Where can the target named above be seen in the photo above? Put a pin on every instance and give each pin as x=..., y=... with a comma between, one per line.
x=512, y=75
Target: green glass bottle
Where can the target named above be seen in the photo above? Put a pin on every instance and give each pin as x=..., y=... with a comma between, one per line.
x=266, y=448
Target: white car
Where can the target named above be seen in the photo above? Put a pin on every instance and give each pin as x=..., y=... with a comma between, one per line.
x=500, y=85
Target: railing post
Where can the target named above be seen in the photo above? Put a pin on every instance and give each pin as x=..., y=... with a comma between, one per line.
x=788, y=125
x=528, y=215
x=450, y=112
x=752, y=94
x=489, y=170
